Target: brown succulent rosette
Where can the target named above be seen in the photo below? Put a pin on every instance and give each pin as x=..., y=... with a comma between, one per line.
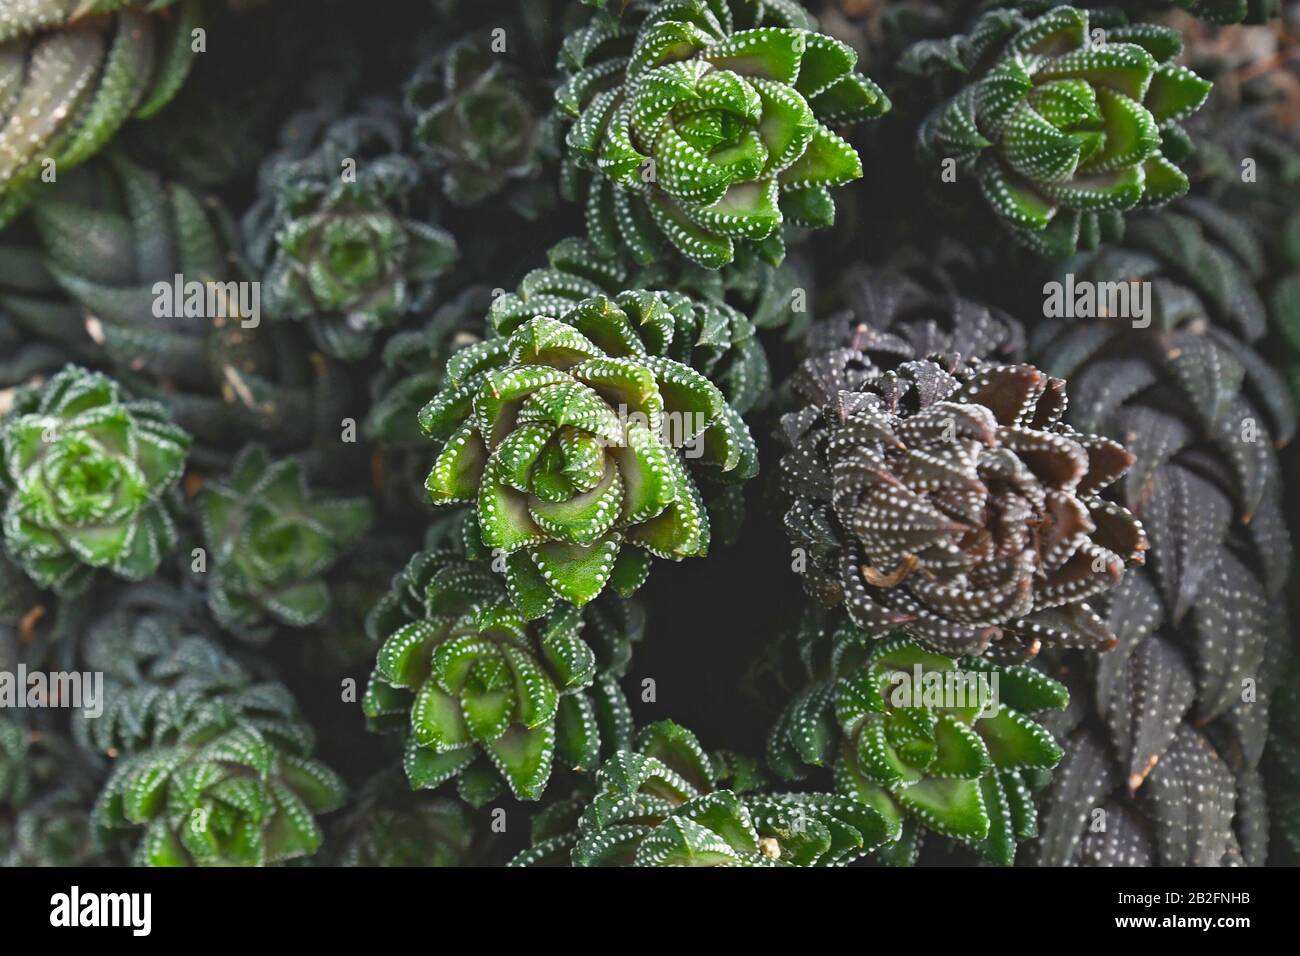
x=947, y=499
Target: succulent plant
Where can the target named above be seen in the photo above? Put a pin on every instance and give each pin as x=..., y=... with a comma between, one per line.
x=473, y=120
x=956, y=506
x=73, y=79
x=1171, y=725
x=335, y=234
x=87, y=473
x=936, y=743
x=270, y=543
x=472, y=682
x=571, y=436
x=662, y=804
x=708, y=124
x=232, y=785
x=1065, y=120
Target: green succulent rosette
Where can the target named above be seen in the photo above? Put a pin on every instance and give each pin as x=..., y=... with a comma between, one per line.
x=571, y=436
x=1065, y=120
x=663, y=803
x=708, y=123
x=75, y=71
x=486, y=696
x=337, y=239
x=270, y=542
x=930, y=742
x=86, y=475
x=233, y=784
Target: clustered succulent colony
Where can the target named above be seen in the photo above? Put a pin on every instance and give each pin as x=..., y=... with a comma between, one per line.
x=913, y=382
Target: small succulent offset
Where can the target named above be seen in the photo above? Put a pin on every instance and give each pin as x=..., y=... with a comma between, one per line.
x=336, y=238
x=233, y=784
x=87, y=474
x=473, y=120
x=270, y=542
x=963, y=512
x=1065, y=121
x=463, y=672
x=662, y=803
x=572, y=436
x=75, y=73
x=930, y=742
x=709, y=124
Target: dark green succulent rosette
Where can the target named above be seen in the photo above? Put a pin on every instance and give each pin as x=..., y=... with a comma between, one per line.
x=663, y=803
x=931, y=742
x=270, y=542
x=74, y=73
x=708, y=123
x=336, y=237
x=485, y=695
x=473, y=120
x=215, y=767
x=1066, y=120
x=86, y=474
x=160, y=663
x=232, y=784
x=572, y=437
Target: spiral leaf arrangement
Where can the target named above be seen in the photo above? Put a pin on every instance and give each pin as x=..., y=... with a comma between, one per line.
x=271, y=542
x=87, y=474
x=335, y=237
x=967, y=514
x=709, y=133
x=234, y=787
x=462, y=671
x=570, y=437
x=1031, y=631
x=212, y=766
x=929, y=741
x=473, y=121
x=1063, y=132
